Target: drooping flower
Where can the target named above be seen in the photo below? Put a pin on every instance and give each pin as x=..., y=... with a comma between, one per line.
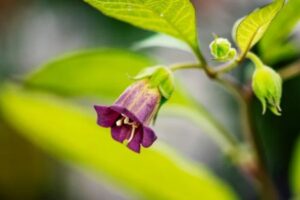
x=131, y=114
x=129, y=117
x=267, y=86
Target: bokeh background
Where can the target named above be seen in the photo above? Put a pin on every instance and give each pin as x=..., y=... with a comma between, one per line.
x=35, y=31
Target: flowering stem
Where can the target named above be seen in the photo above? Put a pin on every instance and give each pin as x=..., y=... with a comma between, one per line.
x=182, y=66
x=209, y=72
x=256, y=60
x=265, y=184
x=244, y=97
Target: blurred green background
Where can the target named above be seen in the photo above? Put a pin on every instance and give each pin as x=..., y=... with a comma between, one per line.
x=50, y=145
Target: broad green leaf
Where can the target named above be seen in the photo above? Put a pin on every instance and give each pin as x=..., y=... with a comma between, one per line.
x=274, y=45
x=71, y=134
x=295, y=170
x=173, y=17
x=161, y=40
x=103, y=73
x=250, y=29
x=99, y=72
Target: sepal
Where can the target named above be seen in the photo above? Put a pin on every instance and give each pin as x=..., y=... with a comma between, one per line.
x=160, y=77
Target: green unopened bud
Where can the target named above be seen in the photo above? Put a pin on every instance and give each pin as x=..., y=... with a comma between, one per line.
x=221, y=49
x=160, y=77
x=267, y=86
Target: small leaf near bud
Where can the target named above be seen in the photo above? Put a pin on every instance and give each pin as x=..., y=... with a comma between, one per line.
x=267, y=86
x=160, y=77
x=221, y=49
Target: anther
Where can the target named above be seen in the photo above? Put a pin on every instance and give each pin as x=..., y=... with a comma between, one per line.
x=119, y=122
x=126, y=120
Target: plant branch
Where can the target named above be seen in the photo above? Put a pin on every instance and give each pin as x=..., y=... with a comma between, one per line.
x=259, y=172
x=209, y=72
x=182, y=66
x=244, y=95
x=265, y=184
x=227, y=67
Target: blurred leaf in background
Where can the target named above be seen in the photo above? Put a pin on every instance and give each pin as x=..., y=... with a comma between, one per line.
x=157, y=174
x=103, y=74
x=278, y=44
x=99, y=72
x=26, y=172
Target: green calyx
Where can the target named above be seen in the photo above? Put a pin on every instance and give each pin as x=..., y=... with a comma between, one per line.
x=160, y=77
x=267, y=86
x=221, y=50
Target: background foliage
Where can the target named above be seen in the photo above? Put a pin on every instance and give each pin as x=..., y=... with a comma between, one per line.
x=51, y=105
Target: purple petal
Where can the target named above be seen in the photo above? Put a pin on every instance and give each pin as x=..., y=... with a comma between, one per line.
x=129, y=94
x=120, y=133
x=125, y=112
x=148, y=137
x=106, y=116
x=135, y=143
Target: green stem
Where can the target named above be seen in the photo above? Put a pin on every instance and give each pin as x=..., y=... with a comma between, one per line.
x=226, y=68
x=243, y=96
x=183, y=66
x=255, y=59
x=209, y=72
x=265, y=184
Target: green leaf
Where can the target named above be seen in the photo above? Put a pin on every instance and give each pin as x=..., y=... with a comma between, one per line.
x=71, y=134
x=161, y=40
x=250, y=29
x=175, y=18
x=100, y=72
x=295, y=170
x=274, y=45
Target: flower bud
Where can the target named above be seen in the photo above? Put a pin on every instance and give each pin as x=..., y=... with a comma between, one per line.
x=221, y=49
x=267, y=86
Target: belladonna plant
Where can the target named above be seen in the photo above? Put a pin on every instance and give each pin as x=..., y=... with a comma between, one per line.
x=131, y=114
x=130, y=117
